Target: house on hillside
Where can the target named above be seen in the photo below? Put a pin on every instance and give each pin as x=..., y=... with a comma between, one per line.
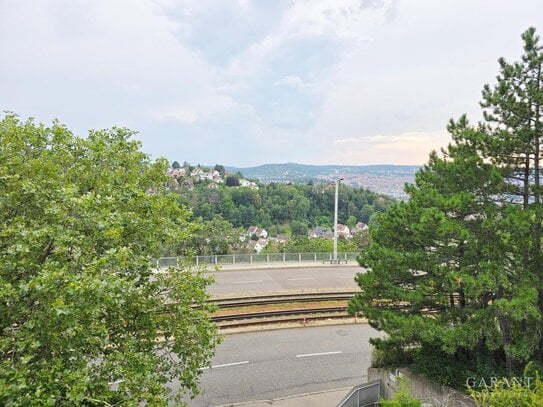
x=196, y=173
x=320, y=231
x=258, y=232
x=177, y=172
x=343, y=231
x=247, y=183
x=187, y=184
x=282, y=239
x=359, y=227
x=257, y=245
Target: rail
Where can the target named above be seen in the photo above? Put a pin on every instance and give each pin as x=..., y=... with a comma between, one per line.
x=282, y=298
x=302, y=316
x=263, y=258
x=290, y=315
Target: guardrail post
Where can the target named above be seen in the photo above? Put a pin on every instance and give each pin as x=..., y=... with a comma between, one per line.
x=157, y=263
x=315, y=256
x=299, y=257
x=251, y=258
x=215, y=259
x=283, y=257
x=177, y=262
x=233, y=259
x=197, y=261
x=345, y=256
x=267, y=257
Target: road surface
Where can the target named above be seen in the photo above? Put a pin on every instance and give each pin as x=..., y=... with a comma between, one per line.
x=271, y=364
x=284, y=279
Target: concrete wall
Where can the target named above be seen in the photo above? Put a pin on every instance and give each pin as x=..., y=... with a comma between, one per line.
x=431, y=394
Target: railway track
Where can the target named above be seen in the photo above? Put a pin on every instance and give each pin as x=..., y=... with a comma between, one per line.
x=233, y=302
x=300, y=314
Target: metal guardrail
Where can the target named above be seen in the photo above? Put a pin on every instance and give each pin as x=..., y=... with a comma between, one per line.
x=363, y=395
x=264, y=258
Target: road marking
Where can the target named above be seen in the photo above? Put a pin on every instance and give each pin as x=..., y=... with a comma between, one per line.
x=247, y=282
x=230, y=364
x=319, y=354
x=301, y=278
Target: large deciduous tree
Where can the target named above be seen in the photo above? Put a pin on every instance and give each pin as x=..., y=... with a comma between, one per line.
x=84, y=320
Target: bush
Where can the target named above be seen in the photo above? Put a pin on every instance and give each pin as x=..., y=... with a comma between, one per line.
x=401, y=398
x=454, y=369
x=509, y=393
x=384, y=354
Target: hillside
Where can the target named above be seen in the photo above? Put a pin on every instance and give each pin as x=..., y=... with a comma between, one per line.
x=383, y=179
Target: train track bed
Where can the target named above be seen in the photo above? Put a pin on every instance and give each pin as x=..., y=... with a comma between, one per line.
x=282, y=310
x=278, y=308
x=280, y=298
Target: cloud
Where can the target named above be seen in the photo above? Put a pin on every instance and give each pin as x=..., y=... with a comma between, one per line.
x=245, y=82
x=403, y=148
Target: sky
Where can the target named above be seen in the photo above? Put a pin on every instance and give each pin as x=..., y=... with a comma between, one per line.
x=249, y=82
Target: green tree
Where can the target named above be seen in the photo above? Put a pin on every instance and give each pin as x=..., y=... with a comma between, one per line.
x=232, y=181
x=510, y=393
x=401, y=398
x=220, y=169
x=440, y=259
x=216, y=236
x=462, y=258
x=514, y=115
x=298, y=228
x=82, y=315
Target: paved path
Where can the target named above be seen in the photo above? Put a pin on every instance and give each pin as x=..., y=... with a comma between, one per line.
x=273, y=365
x=267, y=279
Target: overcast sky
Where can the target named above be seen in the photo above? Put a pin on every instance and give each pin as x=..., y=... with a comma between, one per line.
x=248, y=82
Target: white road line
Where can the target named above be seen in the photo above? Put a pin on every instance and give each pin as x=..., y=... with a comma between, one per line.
x=319, y=354
x=247, y=282
x=230, y=364
x=301, y=278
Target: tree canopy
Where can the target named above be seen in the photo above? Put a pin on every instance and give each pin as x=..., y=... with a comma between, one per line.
x=299, y=206
x=84, y=319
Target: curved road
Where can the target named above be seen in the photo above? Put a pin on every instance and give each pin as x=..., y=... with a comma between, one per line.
x=231, y=282
x=272, y=364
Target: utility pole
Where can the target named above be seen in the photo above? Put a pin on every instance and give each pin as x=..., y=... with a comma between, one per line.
x=335, y=218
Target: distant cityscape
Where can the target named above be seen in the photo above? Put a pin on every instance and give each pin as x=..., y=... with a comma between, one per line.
x=383, y=179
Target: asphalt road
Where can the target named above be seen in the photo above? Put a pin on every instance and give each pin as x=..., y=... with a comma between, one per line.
x=271, y=364
x=284, y=279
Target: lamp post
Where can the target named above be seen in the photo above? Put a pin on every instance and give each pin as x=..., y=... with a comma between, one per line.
x=335, y=218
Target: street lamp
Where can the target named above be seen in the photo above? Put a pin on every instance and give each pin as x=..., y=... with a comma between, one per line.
x=335, y=218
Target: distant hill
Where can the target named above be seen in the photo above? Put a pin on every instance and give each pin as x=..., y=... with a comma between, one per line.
x=385, y=179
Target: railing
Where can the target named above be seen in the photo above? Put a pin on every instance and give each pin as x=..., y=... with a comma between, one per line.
x=363, y=395
x=263, y=258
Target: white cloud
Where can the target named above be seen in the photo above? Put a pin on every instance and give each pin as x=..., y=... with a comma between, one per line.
x=344, y=81
x=346, y=20
x=403, y=148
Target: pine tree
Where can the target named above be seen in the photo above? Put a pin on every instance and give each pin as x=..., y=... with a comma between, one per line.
x=435, y=261
x=458, y=266
x=514, y=116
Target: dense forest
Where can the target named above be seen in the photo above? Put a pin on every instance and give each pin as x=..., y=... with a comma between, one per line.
x=283, y=208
